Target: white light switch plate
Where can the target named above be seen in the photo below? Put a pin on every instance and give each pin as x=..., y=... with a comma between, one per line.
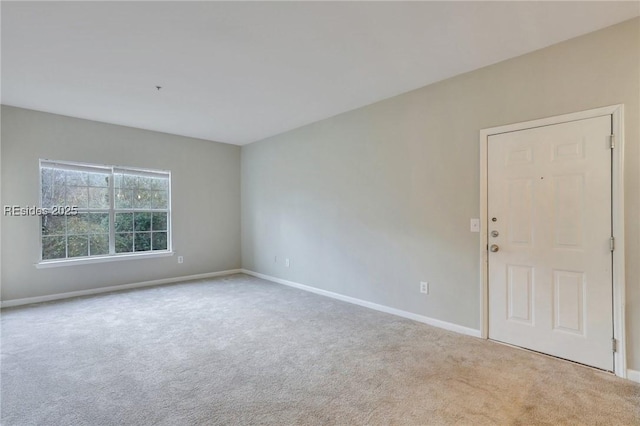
x=475, y=225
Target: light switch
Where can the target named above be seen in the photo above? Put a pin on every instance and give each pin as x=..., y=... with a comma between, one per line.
x=475, y=225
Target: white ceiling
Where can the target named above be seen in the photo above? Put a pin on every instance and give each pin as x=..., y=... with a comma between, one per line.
x=238, y=72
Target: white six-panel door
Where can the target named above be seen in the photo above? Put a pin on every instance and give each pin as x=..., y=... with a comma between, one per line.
x=549, y=218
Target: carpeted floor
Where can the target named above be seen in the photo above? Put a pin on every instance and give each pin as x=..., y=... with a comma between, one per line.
x=240, y=350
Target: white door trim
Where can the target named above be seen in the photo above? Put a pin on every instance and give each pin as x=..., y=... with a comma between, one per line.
x=617, y=182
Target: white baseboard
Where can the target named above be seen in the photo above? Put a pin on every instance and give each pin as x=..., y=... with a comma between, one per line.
x=420, y=318
x=47, y=298
x=633, y=375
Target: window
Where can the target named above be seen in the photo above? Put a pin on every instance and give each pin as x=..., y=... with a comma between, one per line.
x=103, y=211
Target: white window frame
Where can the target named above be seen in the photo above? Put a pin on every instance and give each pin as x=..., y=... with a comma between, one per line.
x=112, y=256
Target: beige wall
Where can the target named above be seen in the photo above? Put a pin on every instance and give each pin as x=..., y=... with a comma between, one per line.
x=370, y=202
x=205, y=200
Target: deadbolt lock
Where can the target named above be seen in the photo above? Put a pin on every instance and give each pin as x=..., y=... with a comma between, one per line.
x=494, y=234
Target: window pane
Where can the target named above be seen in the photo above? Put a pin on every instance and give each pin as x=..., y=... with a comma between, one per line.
x=53, y=196
x=130, y=181
x=126, y=181
x=143, y=241
x=143, y=199
x=161, y=184
x=124, y=243
x=142, y=221
x=88, y=223
x=99, y=198
x=159, y=221
x=159, y=240
x=78, y=245
x=53, y=187
x=53, y=225
x=46, y=176
x=53, y=248
x=145, y=182
x=124, y=222
x=97, y=223
x=77, y=196
x=124, y=199
x=76, y=178
x=159, y=200
x=98, y=244
x=77, y=224
x=46, y=180
x=99, y=180
x=119, y=181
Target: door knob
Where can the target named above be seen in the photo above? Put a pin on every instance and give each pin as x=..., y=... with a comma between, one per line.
x=494, y=248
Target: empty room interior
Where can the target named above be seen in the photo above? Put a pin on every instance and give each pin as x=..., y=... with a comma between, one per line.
x=320, y=213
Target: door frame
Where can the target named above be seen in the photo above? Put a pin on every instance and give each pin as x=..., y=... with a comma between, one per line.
x=617, y=195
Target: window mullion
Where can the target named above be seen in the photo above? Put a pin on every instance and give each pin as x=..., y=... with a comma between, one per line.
x=66, y=218
x=112, y=216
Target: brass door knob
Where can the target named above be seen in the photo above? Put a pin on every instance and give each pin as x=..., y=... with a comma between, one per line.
x=494, y=248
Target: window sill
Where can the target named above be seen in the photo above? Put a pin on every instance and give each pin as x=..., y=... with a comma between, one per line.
x=100, y=259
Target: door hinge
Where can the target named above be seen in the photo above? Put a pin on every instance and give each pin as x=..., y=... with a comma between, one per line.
x=612, y=243
x=612, y=141
x=614, y=344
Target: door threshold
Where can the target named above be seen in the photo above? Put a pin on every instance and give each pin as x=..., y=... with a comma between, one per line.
x=591, y=367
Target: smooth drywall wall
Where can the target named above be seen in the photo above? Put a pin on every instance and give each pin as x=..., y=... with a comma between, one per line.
x=371, y=202
x=205, y=200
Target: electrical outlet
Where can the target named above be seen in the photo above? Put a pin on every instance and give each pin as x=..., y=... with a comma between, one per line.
x=424, y=287
x=180, y=259
x=286, y=262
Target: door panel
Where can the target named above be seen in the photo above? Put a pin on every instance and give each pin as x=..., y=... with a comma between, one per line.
x=550, y=285
x=568, y=215
x=520, y=292
x=520, y=198
x=568, y=313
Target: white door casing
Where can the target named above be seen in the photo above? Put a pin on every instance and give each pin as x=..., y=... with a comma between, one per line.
x=549, y=287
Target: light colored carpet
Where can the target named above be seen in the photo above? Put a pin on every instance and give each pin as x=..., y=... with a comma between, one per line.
x=240, y=350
